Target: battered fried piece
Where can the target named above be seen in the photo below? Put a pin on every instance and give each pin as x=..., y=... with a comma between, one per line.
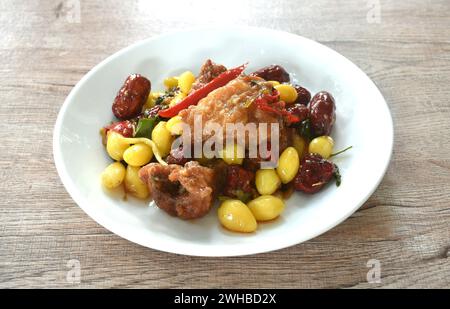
x=208, y=72
x=187, y=192
x=232, y=104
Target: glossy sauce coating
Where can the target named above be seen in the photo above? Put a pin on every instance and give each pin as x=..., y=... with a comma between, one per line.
x=315, y=172
x=273, y=72
x=131, y=97
x=303, y=95
x=322, y=109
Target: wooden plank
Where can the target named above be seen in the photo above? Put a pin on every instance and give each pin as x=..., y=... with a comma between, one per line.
x=404, y=225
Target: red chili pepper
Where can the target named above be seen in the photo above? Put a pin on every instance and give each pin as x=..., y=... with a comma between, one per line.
x=270, y=103
x=280, y=110
x=202, y=92
x=268, y=98
x=299, y=112
x=290, y=118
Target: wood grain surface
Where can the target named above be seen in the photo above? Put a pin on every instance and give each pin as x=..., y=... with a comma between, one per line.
x=46, y=47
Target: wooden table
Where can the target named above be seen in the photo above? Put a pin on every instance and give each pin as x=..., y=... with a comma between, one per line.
x=47, y=46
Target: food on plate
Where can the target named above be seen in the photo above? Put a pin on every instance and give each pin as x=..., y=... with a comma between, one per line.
x=266, y=207
x=133, y=183
x=267, y=181
x=315, y=172
x=288, y=93
x=236, y=216
x=113, y=175
x=279, y=142
x=131, y=97
x=322, y=113
x=220, y=81
x=303, y=95
x=185, y=191
x=322, y=145
x=138, y=154
x=208, y=72
x=288, y=165
x=273, y=72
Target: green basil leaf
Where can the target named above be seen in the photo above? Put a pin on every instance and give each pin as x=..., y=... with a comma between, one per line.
x=243, y=196
x=337, y=175
x=305, y=129
x=160, y=99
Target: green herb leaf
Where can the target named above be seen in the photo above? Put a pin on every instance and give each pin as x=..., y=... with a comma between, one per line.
x=223, y=198
x=243, y=196
x=168, y=94
x=305, y=129
x=145, y=127
x=160, y=99
x=337, y=175
x=341, y=151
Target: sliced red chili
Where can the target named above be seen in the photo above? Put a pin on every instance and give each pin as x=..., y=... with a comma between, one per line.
x=202, y=92
x=270, y=103
x=267, y=98
x=299, y=111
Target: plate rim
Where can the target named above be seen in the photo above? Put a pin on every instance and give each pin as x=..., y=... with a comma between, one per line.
x=84, y=204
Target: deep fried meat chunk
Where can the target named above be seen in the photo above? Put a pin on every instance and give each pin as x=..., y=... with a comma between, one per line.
x=208, y=72
x=187, y=192
x=230, y=105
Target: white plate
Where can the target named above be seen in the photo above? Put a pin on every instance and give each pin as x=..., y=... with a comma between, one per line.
x=363, y=120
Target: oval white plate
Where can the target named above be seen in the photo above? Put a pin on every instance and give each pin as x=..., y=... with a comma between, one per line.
x=363, y=120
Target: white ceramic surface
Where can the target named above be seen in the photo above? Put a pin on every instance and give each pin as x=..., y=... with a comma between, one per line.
x=363, y=120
